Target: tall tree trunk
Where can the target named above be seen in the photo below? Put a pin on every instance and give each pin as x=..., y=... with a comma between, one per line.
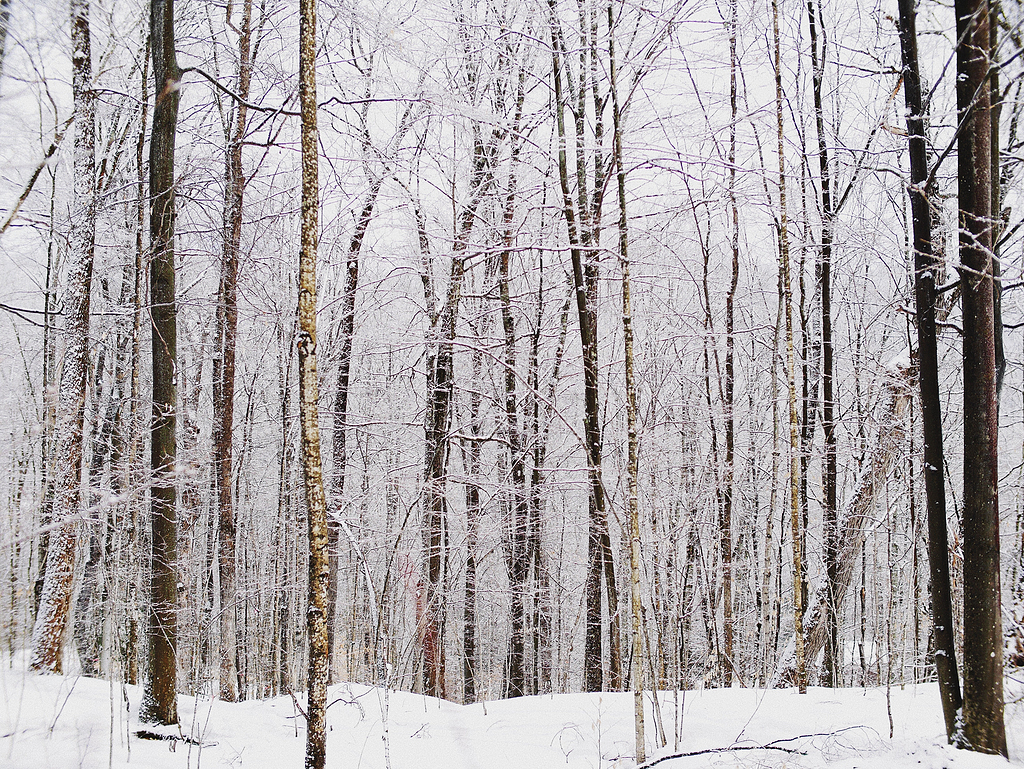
x=542, y=607
x=995, y=177
x=285, y=495
x=224, y=366
x=131, y=430
x=519, y=528
x=983, y=728
x=316, y=503
x=926, y=268
x=832, y=669
x=160, y=700
x=794, y=441
x=55, y=602
x=632, y=462
x=582, y=218
x=725, y=534
x=340, y=428
x=471, y=654
x=88, y=605
x=440, y=389
x=49, y=402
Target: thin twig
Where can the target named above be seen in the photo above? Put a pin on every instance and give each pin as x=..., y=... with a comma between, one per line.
x=297, y=705
x=290, y=113
x=35, y=175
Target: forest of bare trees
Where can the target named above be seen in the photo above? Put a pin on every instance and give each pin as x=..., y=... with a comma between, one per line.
x=652, y=347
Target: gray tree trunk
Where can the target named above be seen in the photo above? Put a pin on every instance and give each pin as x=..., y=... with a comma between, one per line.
x=55, y=602
x=224, y=365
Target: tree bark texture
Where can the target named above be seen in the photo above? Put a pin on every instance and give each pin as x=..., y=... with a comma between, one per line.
x=832, y=673
x=632, y=440
x=160, y=700
x=340, y=428
x=518, y=559
x=983, y=728
x=440, y=390
x=926, y=269
x=470, y=650
x=224, y=366
x=55, y=602
x=794, y=442
x=316, y=503
x=728, y=482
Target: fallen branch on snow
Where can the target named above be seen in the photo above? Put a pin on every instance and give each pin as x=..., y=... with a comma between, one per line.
x=773, y=745
x=721, y=750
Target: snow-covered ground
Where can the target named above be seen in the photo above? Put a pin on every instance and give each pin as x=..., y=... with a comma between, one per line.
x=55, y=722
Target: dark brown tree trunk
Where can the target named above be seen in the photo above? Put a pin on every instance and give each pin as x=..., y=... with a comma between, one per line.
x=55, y=601
x=983, y=728
x=316, y=503
x=160, y=700
x=926, y=268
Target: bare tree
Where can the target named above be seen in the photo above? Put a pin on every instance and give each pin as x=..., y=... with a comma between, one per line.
x=926, y=269
x=582, y=216
x=224, y=361
x=316, y=502
x=632, y=460
x=794, y=443
x=55, y=602
x=160, y=702
x=832, y=667
x=983, y=728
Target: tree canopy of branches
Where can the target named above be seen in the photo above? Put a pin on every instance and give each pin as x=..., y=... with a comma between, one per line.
x=635, y=333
